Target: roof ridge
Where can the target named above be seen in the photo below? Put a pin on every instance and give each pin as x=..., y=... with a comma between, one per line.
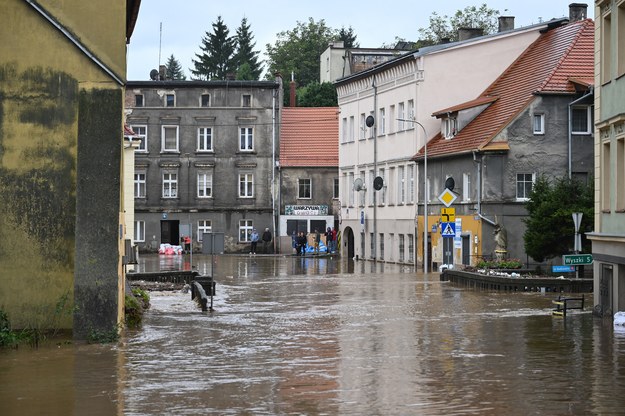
x=582, y=25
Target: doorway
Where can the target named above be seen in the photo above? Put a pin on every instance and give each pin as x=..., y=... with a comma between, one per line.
x=170, y=232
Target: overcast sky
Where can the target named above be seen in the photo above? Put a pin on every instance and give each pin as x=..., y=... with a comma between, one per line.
x=185, y=22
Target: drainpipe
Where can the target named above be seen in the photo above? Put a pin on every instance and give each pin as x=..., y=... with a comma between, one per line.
x=273, y=167
x=375, y=170
x=479, y=188
x=570, y=132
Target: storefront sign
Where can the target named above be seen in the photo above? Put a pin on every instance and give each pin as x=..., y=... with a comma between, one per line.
x=306, y=210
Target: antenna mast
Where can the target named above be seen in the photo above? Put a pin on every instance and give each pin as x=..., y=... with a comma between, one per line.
x=160, y=38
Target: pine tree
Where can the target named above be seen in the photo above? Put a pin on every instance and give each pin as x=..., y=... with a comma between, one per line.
x=173, y=70
x=217, y=58
x=248, y=67
x=348, y=37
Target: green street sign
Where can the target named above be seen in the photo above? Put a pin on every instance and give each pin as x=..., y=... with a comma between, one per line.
x=577, y=259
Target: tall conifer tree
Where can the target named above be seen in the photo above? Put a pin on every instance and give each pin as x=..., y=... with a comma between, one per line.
x=246, y=58
x=217, y=58
x=173, y=70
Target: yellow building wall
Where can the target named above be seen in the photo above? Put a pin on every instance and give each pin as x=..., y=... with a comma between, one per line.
x=470, y=226
x=41, y=76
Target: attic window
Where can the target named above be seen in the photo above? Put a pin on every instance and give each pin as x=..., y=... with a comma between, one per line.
x=450, y=127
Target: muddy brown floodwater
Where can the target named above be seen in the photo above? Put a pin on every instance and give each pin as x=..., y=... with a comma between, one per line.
x=292, y=336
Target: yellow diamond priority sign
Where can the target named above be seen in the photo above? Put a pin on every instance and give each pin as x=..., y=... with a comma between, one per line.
x=447, y=197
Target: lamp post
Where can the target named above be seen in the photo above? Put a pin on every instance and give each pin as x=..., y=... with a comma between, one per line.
x=425, y=196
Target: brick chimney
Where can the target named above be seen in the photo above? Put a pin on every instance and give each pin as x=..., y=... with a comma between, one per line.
x=292, y=96
x=577, y=11
x=465, y=33
x=506, y=23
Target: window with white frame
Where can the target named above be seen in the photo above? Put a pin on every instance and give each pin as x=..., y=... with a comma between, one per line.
x=169, y=138
x=581, y=120
x=382, y=122
x=450, y=127
x=204, y=139
x=538, y=124
x=139, y=231
x=524, y=184
x=411, y=190
x=401, y=186
x=410, y=248
x=401, y=248
x=140, y=184
x=203, y=226
x=466, y=187
x=170, y=184
x=363, y=127
x=382, y=192
x=391, y=119
x=344, y=130
x=351, y=137
x=246, y=100
x=304, y=188
x=350, y=188
x=410, y=113
x=141, y=133
x=205, y=100
x=362, y=195
x=400, y=117
x=246, y=185
x=370, y=189
x=204, y=184
x=170, y=100
x=246, y=135
x=381, y=246
x=245, y=229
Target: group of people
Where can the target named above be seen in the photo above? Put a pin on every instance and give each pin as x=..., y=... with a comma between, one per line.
x=300, y=241
x=255, y=238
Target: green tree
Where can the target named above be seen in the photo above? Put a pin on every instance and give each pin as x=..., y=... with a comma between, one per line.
x=298, y=51
x=216, y=60
x=173, y=70
x=246, y=58
x=348, y=37
x=317, y=95
x=550, y=228
x=445, y=27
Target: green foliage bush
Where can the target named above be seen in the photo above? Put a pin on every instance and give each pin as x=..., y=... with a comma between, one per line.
x=134, y=306
x=503, y=264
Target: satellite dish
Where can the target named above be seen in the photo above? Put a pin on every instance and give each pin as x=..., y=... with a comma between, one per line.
x=369, y=121
x=358, y=185
x=450, y=183
x=378, y=183
x=154, y=75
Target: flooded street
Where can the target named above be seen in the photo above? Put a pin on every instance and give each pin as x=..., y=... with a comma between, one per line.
x=327, y=337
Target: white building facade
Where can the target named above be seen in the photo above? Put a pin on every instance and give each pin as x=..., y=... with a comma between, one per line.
x=401, y=95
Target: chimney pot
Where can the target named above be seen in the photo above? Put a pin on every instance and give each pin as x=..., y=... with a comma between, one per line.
x=506, y=23
x=577, y=11
x=465, y=33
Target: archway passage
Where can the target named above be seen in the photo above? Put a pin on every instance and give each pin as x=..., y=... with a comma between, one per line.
x=348, y=242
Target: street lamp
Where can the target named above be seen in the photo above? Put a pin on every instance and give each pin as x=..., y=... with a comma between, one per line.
x=425, y=196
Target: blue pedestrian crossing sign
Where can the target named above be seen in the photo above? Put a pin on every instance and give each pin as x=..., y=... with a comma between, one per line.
x=448, y=229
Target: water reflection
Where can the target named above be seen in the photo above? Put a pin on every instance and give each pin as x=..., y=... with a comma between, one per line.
x=321, y=336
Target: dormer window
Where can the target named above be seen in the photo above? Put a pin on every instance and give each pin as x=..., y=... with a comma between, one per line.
x=450, y=127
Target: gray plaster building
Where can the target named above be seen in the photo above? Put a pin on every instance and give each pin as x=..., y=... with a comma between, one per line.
x=206, y=163
x=535, y=119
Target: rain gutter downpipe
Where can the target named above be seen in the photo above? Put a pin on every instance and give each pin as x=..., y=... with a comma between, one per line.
x=479, y=188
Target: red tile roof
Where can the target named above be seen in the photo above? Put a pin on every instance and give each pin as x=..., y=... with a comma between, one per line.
x=546, y=66
x=309, y=137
